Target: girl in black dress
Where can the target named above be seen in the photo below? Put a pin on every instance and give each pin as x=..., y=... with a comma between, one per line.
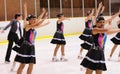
x=59, y=39
x=89, y=24
x=95, y=60
x=87, y=33
x=116, y=41
x=27, y=55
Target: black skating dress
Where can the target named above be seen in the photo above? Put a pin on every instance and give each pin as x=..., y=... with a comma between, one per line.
x=27, y=55
x=95, y=59
x=86, y=36
x=58, y=37
x=86, y=33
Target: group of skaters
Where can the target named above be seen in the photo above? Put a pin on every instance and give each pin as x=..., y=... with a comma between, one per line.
x=89, y=24
x=94, y=37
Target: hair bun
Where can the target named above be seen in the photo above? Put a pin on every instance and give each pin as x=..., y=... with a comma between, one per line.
x=30, y=16
x=99, y=18
x=60, y=14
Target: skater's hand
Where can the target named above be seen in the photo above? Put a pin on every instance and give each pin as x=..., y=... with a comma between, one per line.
x=43, y=10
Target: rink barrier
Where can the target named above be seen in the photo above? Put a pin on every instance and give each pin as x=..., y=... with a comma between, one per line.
x=71, y=27
x=44, y=37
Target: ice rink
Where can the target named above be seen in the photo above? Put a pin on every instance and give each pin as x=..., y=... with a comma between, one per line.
x=44, y=52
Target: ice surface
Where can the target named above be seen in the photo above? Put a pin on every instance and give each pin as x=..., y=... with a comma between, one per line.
x=44, y=52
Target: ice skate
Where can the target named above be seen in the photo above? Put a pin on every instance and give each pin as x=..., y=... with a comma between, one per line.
x=63, y=59
x=80, y=56
x=54, y=59
x=13, y=66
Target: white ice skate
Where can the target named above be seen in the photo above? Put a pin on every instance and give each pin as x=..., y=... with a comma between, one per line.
x=80, y=56
x=54, y=59
x=63, y=59
x=109, y=59
x=13, y=66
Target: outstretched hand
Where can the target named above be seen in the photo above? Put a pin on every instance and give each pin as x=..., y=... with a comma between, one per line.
x=43, y=10
x=100, y=4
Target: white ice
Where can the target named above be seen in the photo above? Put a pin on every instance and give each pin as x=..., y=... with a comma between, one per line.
x=44, y=52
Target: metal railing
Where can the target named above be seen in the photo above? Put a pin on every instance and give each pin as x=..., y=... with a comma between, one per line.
x=72, y=11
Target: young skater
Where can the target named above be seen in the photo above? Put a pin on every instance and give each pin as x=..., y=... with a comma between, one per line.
x=88, y=26
x=27, y=56
x=86, y=34
x=59, y=39
x=95, y=60
x=116, y=41
x=14, y=35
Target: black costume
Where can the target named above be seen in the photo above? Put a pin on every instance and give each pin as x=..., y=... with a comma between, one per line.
x=14, y=34
x=58, y=37
x=95, y=59
x=27, y=55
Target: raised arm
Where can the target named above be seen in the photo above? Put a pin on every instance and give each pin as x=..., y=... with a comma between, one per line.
x=38, y=23
x=98, y=9
x=102, y=10
x=44, y=24
x=111, y=31
x=99, y=30
x=112, y=17
x=107, y=31
x=42, y=14
x=25, y=14
x=97, y=13
x=89, y=17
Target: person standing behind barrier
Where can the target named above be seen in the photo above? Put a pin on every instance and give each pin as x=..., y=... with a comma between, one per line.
x=14, y=35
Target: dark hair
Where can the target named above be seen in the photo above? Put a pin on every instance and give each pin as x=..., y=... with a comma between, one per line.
x=17, y=15
x=30, y=16
x=100, y=18
x=59, y=15
x=119, y=15
x=100, y=14
x=89, y=12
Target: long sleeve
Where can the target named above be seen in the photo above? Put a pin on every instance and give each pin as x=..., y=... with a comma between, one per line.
x=20, y=29
x=8, y=25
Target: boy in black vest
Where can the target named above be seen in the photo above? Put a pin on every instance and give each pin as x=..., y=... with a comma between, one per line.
x=14, y=34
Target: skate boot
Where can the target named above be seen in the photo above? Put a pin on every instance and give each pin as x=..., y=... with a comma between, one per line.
x=63, y=59
x=54, y=59
x=80, y=56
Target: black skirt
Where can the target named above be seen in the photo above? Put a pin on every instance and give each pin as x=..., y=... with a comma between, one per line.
x=87, y=44
x=95, y=59
x=18, y=45
x=26, y=55
x=58, y=38
x=116, y=39
x=86, y=34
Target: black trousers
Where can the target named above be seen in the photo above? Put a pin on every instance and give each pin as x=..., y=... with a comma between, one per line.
x=10, y=44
